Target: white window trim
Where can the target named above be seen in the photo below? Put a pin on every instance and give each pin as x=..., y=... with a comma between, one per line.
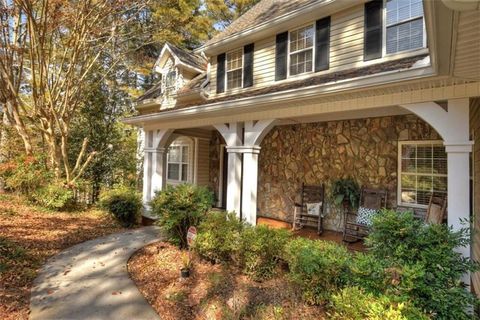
x=399, y=171
x=298, y=51
x=384, y=32
x=189, y=164
x=227, y=71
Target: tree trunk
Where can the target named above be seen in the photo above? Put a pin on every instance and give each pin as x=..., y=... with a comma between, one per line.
x=14, y=117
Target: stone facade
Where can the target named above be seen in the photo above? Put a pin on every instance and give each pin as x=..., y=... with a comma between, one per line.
x=315, y=153
x=215, y=150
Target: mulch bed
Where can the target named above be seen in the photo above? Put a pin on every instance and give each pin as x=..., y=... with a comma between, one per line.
x=29, y=236
x=213, y=291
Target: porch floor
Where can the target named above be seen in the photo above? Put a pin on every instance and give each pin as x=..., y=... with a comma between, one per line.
x=311, y=233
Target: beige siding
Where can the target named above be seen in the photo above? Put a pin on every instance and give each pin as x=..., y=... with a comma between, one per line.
x=203, y=163
x=346, y=50
x=475, y=129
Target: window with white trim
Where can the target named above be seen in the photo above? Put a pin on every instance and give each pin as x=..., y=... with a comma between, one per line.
x=177, y=163
x=234, y=69
x=404, y=25
x=301, y=50
x=422, y=171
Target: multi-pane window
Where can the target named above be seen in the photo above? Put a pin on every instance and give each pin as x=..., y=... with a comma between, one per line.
x=423, y=171
x=170, y=79
x=177, y=163
x=234, y=69
x=301, y=50
x=404, y=24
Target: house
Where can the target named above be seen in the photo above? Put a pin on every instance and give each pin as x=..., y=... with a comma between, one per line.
x=308, y=91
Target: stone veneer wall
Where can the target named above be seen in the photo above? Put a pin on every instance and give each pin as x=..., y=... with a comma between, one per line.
x=215, y=146
x=475, y=130
x=315, y=153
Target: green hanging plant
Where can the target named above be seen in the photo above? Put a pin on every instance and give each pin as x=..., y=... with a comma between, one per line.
x=346, y=192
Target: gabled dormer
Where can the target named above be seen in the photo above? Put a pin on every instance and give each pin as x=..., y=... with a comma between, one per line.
x=182, y=74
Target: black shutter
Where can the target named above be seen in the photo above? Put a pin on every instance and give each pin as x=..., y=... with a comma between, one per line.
x=221, y=73
x=248, y=65
x=281, y=51
x=322, y=44
x=372, y=48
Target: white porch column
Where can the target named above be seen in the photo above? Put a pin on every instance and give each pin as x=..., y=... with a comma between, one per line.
x=159, y=170
x=250, y=183
x=452, y=124
x=154, y=163
x=255, y=131
x=232, y=133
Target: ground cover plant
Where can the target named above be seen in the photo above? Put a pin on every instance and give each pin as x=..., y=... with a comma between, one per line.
x=29, y=236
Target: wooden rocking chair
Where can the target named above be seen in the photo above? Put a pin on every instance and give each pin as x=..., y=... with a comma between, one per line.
x=437, y=208
x=375, y=199
x=310, y=195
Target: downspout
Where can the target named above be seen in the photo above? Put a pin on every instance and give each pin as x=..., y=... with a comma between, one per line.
x=203, y=92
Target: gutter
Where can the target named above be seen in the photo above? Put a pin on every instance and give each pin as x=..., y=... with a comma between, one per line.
x=288, y=95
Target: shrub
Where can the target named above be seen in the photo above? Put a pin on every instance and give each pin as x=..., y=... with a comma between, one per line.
x=218, y=237
x=262, y=247
x=123, y=203
x=320, y=268
x=54, y=197
x=427, y=266
x=369, y=273
x=180, y=207
x=25, y=174
x=353, y=303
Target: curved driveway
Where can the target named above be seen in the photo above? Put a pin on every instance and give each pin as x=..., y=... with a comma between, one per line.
x=90, y=280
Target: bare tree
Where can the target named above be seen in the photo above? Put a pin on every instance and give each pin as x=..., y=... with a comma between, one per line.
x=48, y=50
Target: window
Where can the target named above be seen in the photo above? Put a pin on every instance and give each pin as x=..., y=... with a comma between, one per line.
x=301, y=50
x=170, y=78
x=422, y=171
x=177, y=163
x=234, y=69
x=404, y=25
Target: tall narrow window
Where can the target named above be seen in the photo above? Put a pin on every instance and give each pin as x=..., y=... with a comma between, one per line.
x=422, y=171
x=404, y=24
x=234, y=69
x=301, y=50
x=177, y=163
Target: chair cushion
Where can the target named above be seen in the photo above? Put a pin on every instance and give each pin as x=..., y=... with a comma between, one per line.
x=365, y=216
x=314, y=208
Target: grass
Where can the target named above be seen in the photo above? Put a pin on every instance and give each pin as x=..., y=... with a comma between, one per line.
x=29, y=236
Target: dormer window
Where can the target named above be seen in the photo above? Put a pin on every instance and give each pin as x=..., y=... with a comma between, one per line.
x=301, y=50
x=234, y=69
x=404, y=24
x=170, y=79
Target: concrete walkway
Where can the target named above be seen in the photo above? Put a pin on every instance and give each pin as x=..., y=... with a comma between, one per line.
x=91, y=281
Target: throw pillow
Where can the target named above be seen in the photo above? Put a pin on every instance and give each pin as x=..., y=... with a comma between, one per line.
x=314, y=208
x=365, y=216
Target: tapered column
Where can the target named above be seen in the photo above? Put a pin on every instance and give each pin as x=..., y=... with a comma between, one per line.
x=250, y=184
x=159, y=172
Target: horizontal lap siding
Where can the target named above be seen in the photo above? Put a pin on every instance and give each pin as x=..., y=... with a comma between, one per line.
x=346, y=51
x=203, y=163
x=475, y=129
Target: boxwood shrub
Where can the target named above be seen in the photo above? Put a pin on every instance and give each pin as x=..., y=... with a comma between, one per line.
x=123, y=203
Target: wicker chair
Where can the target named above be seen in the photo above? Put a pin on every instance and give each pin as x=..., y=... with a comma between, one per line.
x=309, y=194
x=371, y=199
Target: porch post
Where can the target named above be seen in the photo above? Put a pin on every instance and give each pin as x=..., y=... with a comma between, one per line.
x=159, y=171
x=249, y=184
x=254, y=133
x=154, y=162
x=232, y=133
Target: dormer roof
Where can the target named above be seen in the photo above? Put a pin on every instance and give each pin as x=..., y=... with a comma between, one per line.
x=182, y=58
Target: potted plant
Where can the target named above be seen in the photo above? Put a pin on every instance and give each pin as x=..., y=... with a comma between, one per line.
x=346, y=192
x=186, y=265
